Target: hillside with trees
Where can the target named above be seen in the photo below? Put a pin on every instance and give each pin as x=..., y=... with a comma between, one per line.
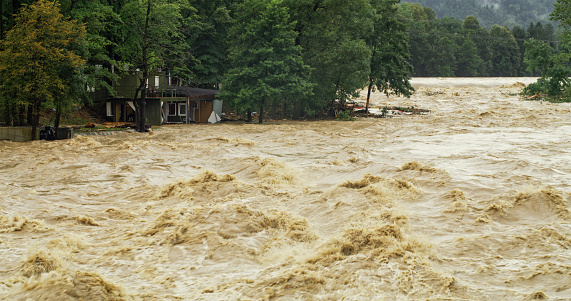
x=291, y=58
x=507, y=13
x=463, y=47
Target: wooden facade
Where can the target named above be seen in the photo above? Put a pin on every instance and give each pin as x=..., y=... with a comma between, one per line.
x=165, y=103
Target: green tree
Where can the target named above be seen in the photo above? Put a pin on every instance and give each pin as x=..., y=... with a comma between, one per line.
x=39, y=61
x=468, y=60
x=420, y=38
x=443, y=59
x=554, y=69
x=209, y=42
x=151, y=38
x=504, y=52
x=101, y=22
x=471, y=23
x=390, y=67
x=267, y=66
x=332, y=34
x=538, y=56
x=481, y=37
x=520, y=36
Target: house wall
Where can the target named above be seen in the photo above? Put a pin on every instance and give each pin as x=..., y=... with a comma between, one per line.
x=127, y=85
x=153, y=112
x=217, y=106
x=205, y=109
x=175, y=117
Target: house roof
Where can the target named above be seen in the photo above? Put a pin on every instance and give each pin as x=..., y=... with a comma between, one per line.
x=194, y=92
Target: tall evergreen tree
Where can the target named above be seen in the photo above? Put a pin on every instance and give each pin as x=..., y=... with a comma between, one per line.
x=209, y=41
x=504, y=52
x=267, y=66
x=520, y=36
x=468, y=60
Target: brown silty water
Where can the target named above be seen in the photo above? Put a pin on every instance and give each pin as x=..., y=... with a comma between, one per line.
x=468, y=202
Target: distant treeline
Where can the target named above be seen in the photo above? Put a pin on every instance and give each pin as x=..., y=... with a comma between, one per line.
x=503, y=12
x=454, y=47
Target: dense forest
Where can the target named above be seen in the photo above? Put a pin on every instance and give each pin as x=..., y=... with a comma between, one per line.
x=453, y=47
x=490, y=12
x=294, y=58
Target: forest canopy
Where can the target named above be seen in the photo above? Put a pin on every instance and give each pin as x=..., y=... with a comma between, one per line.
x=507, y=13
x=299, y=57
x=449, y=47
x=294, y=57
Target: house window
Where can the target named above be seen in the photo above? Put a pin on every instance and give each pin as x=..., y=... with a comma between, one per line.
x=182, y=109
x=172, y=109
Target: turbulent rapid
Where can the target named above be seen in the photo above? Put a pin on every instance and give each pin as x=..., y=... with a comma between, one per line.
x=468, y=202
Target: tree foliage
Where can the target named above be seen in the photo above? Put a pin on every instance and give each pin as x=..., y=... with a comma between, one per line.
x=390, y=67
x=554, y=68
x=151, y=37
x=338, y=46
x=332, y=35
x=209, y=41
x=41, y=61
x=450, y=47
x=490, y=12
x=267, y=67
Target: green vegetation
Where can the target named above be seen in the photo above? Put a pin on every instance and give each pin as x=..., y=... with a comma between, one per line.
x=390, y=66
x=345, y=116
x=152, y=36
x=553, y=65
x=508, y=13
x=450, y=47
x=267, y=66
x=41, y=62
x=292, y=58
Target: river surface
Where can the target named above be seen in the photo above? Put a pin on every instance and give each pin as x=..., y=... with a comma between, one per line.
x=468, y=202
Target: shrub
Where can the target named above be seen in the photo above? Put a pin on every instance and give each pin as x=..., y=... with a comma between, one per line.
x=345, y=116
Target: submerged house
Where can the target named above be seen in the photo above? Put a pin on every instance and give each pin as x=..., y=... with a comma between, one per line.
x=165, y=103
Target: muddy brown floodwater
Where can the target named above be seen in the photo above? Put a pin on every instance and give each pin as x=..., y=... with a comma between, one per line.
x=468, y=202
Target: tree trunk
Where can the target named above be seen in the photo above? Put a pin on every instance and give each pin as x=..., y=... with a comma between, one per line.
x=297, y=109
x=30, y=115
x=19, y=116
x=142, y=122
x=58, y=118
x=36, y=118
x=368, y=96
x=249, y=115
x=261, y=118
x=332, y=109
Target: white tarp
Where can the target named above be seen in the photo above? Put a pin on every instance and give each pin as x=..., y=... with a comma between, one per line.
x=132, y=105
x=164, y=113
x=214, y=118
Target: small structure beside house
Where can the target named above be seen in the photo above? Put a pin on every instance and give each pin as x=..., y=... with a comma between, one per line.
x=165, y=103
